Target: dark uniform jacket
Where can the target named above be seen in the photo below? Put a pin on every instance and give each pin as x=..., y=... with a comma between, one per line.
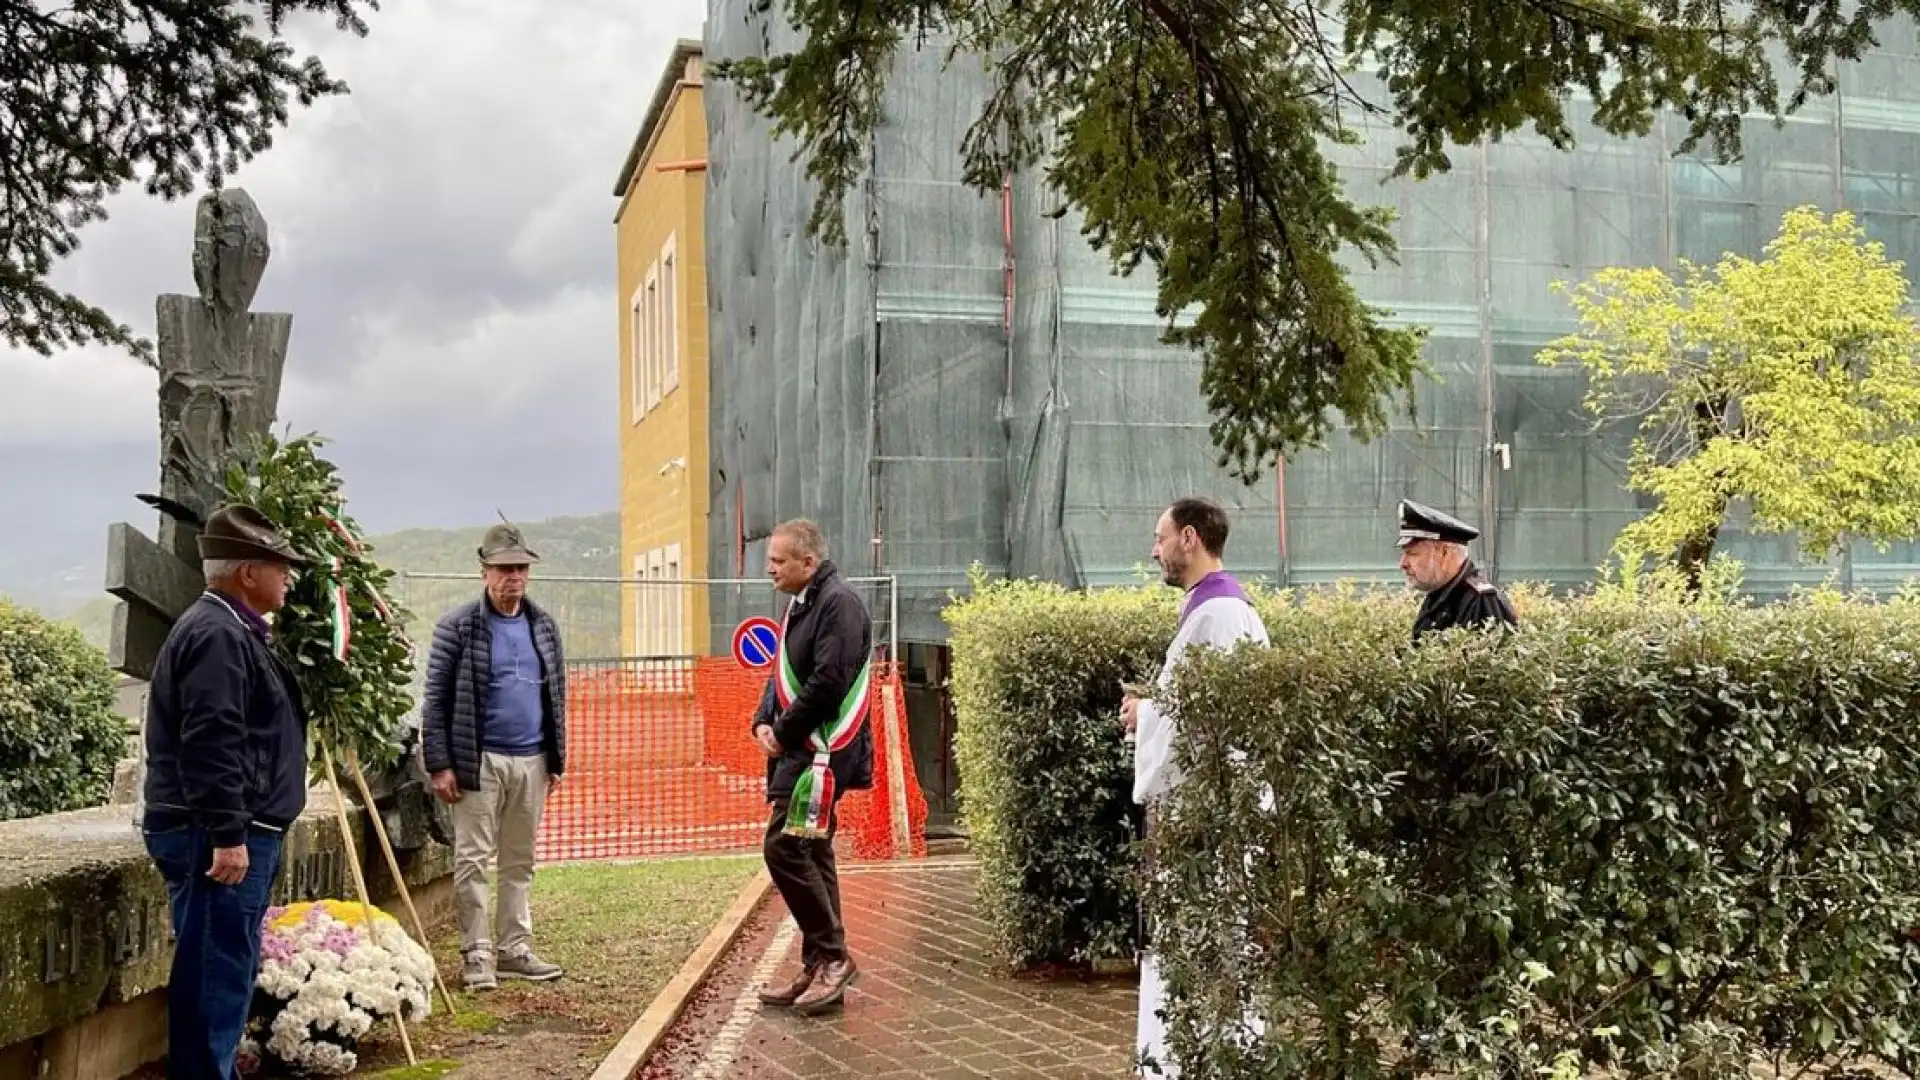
x=226, y=730
x=829, y=638
x=453, y=714
x=1468, y=600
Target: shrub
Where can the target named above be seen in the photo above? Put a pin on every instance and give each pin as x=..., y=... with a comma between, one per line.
x=1657, y=838
x=1046, y=780
x=59, y=736
x=1651, y=835
x=1046, y=783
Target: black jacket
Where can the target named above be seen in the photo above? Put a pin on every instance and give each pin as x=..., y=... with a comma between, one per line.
x=1467, y=600
x=829, y=638
x=226, y=729
x=453, y=714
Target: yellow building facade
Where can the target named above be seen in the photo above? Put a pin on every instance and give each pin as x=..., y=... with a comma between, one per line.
x=662, y=304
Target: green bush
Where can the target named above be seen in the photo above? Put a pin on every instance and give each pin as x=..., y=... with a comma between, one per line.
x=1046, y=781
x=59, y=736
x=1640, y=836
x=1659, y=839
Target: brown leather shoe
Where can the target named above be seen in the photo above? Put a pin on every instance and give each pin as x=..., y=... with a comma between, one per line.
x=829, y=989
x=788, y=993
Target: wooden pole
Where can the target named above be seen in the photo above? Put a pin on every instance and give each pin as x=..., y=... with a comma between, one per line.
x=393, y=865
x=896, y=765
x=360, y=879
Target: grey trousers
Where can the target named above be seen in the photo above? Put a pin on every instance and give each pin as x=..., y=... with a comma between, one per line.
x=498, y=823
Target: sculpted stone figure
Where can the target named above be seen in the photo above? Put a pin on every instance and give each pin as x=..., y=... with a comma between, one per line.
x=220, y=364
x=220, y=367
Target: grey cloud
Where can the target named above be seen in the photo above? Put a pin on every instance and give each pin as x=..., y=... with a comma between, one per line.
x=443, y=239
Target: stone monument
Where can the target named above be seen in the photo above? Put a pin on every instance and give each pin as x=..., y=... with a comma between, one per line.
x=220, y=367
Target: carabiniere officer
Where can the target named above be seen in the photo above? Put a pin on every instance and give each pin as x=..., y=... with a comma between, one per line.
x=1433, y=555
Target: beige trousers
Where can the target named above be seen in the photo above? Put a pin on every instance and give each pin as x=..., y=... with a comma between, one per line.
x=498, y=823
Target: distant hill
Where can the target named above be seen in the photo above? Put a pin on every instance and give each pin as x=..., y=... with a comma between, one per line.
x=439, y=568
x=93, y=619
x=567, y=546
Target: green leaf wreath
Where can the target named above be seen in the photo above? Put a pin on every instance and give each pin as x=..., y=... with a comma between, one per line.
x=340, y=630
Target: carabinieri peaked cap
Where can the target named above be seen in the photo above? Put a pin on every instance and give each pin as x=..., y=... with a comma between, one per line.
x=1419, y=522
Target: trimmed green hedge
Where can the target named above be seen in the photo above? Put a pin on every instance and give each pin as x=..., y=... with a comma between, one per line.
x=59, y=736
x=1046, y=782
x=1659, y=838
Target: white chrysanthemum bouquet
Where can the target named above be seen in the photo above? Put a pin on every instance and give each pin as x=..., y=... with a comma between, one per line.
x=329, y=971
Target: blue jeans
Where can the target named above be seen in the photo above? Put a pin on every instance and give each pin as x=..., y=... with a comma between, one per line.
x=216, y=953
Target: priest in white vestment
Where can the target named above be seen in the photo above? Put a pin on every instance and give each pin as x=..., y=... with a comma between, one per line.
x=1188, y=543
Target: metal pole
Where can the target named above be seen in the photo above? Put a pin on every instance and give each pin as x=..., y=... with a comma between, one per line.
x=1483, y=285
x=589, y=580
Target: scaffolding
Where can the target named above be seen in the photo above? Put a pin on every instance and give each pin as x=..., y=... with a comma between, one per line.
x=968, y=383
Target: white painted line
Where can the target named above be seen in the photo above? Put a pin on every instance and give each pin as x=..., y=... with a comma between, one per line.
x=718, y=1062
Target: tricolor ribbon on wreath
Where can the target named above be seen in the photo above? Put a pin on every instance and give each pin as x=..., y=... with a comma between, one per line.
x=811, y=807
x=340, y=610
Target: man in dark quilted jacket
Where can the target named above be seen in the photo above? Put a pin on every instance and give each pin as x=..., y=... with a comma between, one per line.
x=494, y=736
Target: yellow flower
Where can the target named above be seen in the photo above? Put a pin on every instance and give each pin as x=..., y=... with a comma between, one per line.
x=343, y=911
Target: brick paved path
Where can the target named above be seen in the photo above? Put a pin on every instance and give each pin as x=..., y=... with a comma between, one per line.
x=929, y=1003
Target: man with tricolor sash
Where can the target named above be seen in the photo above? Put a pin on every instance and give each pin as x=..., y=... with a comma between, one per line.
x=812, y=725
x=1188, y=542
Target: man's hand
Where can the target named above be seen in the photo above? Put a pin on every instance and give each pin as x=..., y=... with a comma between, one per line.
x=1130, y=713
x=763, y=734
x=553, y=782
x=447, y=786
x=229, y=865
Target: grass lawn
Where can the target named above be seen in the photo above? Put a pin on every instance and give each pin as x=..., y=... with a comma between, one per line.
x=620, y=930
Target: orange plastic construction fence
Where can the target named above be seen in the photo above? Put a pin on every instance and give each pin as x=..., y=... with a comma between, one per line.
x=661, y=761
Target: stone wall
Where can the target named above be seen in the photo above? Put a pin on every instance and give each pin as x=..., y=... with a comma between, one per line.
x=85, y=940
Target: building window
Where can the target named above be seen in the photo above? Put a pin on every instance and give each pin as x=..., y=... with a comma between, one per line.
x=676, y=612
x=654, y=321
x=642, y=612
x=670, y=316
x=637, y=350
x=656, y=331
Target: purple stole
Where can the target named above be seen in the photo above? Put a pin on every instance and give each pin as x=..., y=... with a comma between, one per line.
x=1212, y=587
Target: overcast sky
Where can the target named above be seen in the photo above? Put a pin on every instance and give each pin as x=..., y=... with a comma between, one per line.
x=443, y=238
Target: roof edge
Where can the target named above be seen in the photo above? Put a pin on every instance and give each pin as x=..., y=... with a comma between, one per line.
x=684, y=50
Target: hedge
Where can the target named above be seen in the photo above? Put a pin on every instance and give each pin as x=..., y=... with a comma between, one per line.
x=1046, y=783
x=1649, y=837
x=59, y=735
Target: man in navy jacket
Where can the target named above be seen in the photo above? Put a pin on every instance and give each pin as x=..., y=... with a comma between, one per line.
x=812, y=725
x=226, y=744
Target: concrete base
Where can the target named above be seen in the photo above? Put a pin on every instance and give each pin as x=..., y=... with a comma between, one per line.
x=85, y=943
x=120, y=1039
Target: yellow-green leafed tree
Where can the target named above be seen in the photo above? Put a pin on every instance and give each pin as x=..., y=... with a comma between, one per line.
x=1791, y=381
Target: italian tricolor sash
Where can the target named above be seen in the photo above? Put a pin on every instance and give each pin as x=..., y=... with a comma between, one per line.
x=809, y=810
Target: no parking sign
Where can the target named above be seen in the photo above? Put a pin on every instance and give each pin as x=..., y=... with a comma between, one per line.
x=756, y=641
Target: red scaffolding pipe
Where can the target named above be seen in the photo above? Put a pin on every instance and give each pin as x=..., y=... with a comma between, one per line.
x=1006, y=236
x=1280, y=501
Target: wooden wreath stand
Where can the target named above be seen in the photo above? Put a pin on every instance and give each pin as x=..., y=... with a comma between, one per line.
x=393, y=866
